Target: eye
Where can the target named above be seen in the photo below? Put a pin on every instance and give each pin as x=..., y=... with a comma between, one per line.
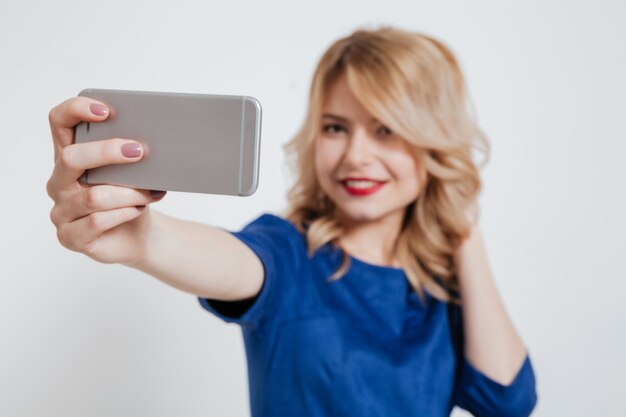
x=384, y=131
x=333, y=128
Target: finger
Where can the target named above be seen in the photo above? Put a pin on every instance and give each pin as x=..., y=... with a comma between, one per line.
x=79, y=234
x=75, y=159
x=84, y=201
x=68, y=114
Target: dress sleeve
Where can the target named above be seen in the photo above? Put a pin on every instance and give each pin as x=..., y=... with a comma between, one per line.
x=279, y=247
x=484, y=397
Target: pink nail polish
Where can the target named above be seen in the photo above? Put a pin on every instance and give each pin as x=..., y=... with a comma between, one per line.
x=131, y=150
x=157, y=194
x=98, y=109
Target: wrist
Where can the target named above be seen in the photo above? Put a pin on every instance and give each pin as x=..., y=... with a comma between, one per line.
x=145, y=239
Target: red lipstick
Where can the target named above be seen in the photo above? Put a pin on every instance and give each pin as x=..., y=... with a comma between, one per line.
x=360, y=186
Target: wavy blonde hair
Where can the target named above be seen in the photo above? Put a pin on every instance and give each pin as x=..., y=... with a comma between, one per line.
x=413, y=84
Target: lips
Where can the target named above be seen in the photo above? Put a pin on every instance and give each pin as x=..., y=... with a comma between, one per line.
x=361, y=186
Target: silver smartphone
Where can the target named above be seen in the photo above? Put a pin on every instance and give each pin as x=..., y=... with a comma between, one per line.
x=199, y=143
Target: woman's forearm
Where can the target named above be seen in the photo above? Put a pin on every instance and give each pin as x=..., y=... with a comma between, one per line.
x=200, y=259
x=492, y=345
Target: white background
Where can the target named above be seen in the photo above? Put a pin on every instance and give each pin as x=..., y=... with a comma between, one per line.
x=79, y=338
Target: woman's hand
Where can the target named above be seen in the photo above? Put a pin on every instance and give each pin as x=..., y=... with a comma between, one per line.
x=105, y=222
x=492, y=343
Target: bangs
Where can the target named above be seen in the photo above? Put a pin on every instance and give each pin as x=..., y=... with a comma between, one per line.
x=383, y=97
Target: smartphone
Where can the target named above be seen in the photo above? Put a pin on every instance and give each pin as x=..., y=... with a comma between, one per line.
x=200, y=143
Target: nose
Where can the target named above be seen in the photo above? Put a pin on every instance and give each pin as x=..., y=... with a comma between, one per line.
x=359, y=149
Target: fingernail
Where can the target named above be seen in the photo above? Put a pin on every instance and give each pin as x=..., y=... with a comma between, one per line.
x=131, y=150
x=98, y=109
x=157, y=194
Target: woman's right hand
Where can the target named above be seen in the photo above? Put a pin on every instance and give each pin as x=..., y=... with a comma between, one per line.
x=107, y=223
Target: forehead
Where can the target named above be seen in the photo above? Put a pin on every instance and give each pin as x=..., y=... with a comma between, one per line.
x=341, y=101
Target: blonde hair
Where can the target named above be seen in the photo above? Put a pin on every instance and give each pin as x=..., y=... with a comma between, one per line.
x=413, y=84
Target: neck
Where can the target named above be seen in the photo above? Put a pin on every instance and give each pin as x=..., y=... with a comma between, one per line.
x=372, y=241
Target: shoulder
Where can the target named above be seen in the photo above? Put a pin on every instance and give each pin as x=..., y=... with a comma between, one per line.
x=272, y=233
x=270, y=220
x=272, y=225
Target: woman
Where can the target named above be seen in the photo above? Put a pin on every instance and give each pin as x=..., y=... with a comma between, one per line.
x=373, y=294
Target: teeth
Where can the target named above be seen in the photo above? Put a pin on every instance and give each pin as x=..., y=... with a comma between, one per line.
x=360, y=184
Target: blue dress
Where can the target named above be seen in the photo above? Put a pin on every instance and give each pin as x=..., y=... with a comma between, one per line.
x=363, y=345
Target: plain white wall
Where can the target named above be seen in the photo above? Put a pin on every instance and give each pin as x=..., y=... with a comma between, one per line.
x=80, y=338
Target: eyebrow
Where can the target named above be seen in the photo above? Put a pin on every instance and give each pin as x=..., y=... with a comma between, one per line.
x=343, y=119
x=334, y=116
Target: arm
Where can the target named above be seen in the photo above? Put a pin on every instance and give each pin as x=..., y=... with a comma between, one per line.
x=491, y=342
x=114, y=224
x=200, y=259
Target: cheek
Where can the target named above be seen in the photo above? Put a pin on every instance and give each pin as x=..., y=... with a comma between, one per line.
x=326, y=159
x=405, y=168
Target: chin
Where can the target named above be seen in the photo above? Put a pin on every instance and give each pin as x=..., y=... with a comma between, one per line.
x=361, y=215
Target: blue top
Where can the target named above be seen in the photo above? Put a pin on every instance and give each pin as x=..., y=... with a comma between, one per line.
x=363, y=345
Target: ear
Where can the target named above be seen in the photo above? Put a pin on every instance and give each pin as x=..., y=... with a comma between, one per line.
x=423, y=176
x=422, y=173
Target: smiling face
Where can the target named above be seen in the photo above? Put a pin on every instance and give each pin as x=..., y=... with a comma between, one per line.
x=370, y=173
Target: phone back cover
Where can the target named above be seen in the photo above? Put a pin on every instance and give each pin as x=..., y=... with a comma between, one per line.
x=192, y=142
